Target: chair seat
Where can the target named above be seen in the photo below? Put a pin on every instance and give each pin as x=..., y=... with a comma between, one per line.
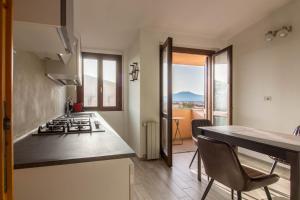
x=259, y=179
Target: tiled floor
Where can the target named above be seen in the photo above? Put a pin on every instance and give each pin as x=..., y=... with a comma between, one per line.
x=187, y=146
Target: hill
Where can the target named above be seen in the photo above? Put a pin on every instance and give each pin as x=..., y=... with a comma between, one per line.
x=187, y=96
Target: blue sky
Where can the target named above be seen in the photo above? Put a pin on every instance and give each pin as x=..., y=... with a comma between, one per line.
x=188, y=78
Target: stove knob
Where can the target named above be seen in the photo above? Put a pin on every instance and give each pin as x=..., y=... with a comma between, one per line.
x=40, y=129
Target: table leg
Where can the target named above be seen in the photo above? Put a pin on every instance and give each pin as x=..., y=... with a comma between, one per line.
x=177, y=135
x=295, y=177
x=199, y=166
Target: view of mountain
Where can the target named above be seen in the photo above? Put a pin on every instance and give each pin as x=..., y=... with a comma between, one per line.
x=187, y=96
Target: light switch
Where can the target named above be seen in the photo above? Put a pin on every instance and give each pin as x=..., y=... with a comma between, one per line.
x=268, y=98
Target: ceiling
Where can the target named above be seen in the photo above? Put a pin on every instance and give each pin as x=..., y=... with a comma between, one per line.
x=189, y=59
x=114, y=24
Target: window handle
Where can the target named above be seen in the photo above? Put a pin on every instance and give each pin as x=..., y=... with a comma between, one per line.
x=101, y=89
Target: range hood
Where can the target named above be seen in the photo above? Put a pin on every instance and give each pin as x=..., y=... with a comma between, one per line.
x=45, y=29
x=69, y=73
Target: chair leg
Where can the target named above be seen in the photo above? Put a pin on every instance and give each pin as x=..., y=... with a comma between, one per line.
x=239, y=195
x=268, y=193
x=193, y=158
x=273, y=167
x=232, y=194
x=207, y=189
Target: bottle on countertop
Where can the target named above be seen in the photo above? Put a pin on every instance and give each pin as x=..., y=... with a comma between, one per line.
x=69, y=106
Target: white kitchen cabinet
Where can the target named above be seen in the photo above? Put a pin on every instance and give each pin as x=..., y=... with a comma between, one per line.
x=107, y=180
x=44, y=27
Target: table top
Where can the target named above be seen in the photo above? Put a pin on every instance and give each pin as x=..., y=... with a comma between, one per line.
x=286, y=141
x=177, y=118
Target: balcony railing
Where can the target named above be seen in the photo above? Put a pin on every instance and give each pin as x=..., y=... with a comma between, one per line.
x=188, y=114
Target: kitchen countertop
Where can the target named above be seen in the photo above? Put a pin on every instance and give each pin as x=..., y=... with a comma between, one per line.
x=38, y=151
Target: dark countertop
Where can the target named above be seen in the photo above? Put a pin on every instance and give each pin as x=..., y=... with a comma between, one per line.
x=38, y=151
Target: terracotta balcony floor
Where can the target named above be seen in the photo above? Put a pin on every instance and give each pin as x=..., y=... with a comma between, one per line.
x=187, y=146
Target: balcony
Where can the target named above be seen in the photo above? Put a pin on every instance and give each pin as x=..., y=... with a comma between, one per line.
x=188, y=114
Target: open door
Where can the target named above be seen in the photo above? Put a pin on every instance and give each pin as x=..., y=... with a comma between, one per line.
x=222, y=87
x=6, y=139
x=166, y=101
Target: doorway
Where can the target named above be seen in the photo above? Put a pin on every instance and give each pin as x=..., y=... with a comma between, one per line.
x=202, y=89
x=191, y=70
x=190, y=94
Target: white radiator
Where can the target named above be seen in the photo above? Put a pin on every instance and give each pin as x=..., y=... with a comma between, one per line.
x=152, y=140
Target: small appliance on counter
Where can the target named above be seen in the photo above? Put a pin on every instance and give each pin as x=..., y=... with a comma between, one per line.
x=75, y=123
x=77, y=107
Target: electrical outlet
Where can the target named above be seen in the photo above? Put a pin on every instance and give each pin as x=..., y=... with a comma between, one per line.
x=267, y=98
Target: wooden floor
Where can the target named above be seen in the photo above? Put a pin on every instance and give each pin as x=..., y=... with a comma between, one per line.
x=155, y=181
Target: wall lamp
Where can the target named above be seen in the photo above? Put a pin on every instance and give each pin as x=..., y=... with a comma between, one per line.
x=282, y=32
x=134, y=73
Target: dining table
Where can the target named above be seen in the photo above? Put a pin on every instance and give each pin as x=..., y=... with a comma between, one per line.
x=280, y=145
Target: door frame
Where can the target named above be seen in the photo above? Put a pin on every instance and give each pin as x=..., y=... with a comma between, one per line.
x=228, y=49
x=6, y=99
x=168, y=158
x=208, y=80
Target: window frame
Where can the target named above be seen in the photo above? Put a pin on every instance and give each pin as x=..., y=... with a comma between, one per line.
x=119, y=82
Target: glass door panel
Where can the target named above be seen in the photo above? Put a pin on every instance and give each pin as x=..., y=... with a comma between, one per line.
x=222, y=87
x=166, y=101
x=165, y=79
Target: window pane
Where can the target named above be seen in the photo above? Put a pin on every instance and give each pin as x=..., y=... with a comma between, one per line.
x=165, y=80
x=109, y=83
x=90, y=72
x=220, y=121
x=221, y=83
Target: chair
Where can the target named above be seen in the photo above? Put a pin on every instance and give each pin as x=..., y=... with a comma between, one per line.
x=232, y=174
x=196, y=131
x=276, y=160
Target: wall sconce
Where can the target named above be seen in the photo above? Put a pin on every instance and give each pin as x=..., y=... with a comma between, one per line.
x=282, y=32
x=134, y=73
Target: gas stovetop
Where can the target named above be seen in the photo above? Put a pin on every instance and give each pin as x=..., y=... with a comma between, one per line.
x=74, y=124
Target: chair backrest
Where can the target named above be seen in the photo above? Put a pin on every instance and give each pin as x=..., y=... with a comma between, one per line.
x=297, y=131
x=199, y=123
x=221, y=163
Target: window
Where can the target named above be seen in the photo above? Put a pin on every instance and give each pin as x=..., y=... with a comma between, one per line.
x=90, y=73
x=102, y=82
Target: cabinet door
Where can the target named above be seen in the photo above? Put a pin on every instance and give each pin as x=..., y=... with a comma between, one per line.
x=6, y=155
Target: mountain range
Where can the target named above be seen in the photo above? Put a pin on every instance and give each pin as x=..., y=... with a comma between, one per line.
x=186, y=96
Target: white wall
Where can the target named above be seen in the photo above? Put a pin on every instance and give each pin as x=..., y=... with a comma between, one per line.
x=37, y=99
x=133, y=120
x=268, y=69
